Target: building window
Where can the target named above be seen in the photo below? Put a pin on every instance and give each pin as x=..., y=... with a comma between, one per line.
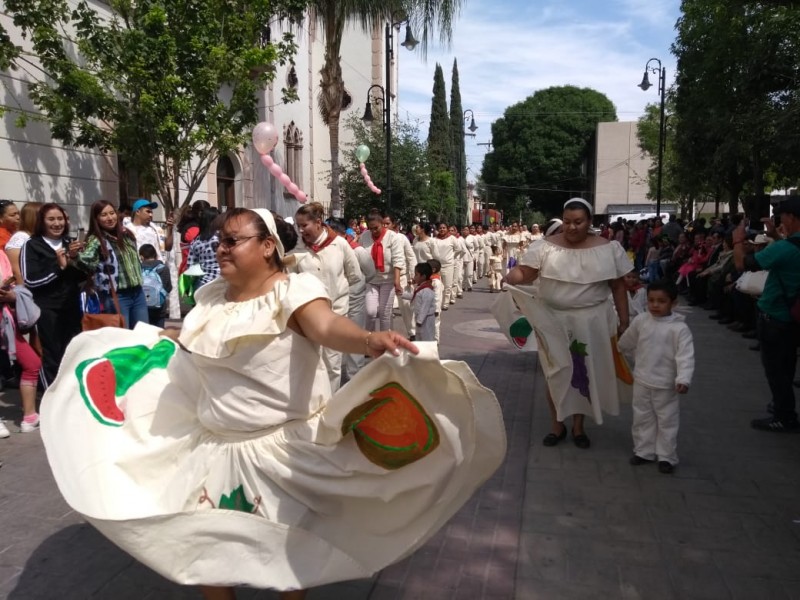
x=293, y=151
x=226, y=183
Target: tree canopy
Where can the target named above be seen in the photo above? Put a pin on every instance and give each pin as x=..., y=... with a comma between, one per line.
x=169, y=86
x=737, y=96
x=440, y=150
x=411, y=196
x=457, y=147
x=542, y=148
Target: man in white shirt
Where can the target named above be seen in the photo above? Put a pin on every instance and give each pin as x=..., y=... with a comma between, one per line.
x=146, y=232
x=406, y=277
x=458, y=272
x=477, y=254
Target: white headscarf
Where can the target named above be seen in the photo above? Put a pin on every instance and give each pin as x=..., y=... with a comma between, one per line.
x=581, y=201
x=266, y=216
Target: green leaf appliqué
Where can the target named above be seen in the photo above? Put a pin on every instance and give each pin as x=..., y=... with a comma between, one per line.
x=236, y=500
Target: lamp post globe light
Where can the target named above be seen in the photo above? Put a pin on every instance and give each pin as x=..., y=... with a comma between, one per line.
x=646, y=85
x=385, y=98
x=463, y=205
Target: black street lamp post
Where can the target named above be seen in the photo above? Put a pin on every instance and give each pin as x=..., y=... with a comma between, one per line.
x=646, y=85
x=386, y=98
x=462, y=168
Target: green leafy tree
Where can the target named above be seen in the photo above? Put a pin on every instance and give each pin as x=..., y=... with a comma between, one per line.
x=426, y=16
x=411, y=196
x=737, y=96
x=169, y=86
x=440, y=148
x=457, y=147
x=543, y=149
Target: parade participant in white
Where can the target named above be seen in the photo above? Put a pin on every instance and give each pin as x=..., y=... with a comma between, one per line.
x=330, y=259
x=458, y=272
x=386, y=249
x=468, y=259
x=406, y=276
x=445, y=250
x=226, y=461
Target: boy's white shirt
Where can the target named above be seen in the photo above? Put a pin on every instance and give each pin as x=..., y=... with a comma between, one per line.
x=663, y=349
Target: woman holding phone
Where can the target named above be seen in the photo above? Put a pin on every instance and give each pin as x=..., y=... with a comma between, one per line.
x=49, y=270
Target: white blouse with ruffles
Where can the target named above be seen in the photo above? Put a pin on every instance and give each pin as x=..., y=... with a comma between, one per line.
x=256, y=372
x=576, y=277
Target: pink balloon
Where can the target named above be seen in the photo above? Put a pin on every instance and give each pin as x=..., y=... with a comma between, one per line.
x=301, y=197
x=266, y=160
x=285, y=180
x=265, y=137
x=276, y=170
x=362, y=166
x=376, y=190
x=292, y=188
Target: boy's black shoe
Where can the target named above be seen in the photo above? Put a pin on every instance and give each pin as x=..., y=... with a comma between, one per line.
x=665, y=467
x=637, y=460
x=775, y=425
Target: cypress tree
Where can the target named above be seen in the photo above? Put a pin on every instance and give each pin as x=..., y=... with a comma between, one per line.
x=439, y=149
x=458, y=157
x=439, y=142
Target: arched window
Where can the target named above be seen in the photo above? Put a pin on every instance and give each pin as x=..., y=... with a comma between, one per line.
x=293, y=146
x=226, y=183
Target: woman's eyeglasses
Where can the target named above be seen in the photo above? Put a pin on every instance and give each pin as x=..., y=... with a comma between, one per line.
x=230, y=242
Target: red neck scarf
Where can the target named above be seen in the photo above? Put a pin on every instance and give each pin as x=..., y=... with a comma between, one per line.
x=353, y=243
x=326, y=242
x=377, y=251
x=422, y=286
x=436, y=276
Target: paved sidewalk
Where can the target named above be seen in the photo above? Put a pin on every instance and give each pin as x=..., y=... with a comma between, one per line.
x=552, y=523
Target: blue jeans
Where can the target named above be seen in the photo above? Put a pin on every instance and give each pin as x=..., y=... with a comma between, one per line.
x=132, y=305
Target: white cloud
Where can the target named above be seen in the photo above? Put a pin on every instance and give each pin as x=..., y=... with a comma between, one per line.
x=505, y=53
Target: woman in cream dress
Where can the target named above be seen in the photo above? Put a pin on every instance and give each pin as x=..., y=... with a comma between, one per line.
x=223, y=460
x=574, y=315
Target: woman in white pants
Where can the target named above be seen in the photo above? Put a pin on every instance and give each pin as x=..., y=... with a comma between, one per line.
x=468, y=259
x=330, y=259
x=386, y=249
x=445, y=252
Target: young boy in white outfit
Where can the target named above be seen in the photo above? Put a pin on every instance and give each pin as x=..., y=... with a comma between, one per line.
x=662, y=344
x=423, y=300
x=438, y=290
x=496, y=270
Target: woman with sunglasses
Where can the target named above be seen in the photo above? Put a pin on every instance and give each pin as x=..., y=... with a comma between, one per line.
x=233, y=464
x=49, y=270
x=111, y=258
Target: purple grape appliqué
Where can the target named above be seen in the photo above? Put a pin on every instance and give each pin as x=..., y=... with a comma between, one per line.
x=580, y=374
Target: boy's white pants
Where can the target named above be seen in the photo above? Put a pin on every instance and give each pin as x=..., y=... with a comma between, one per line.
x=448, y=296
x=656, y=417
x=458, y=275
x=406, y=310
x=467, y=274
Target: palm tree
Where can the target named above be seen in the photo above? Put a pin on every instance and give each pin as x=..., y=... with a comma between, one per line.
x=425, y=16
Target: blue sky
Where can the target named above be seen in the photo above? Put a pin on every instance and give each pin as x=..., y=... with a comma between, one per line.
x=508, y=49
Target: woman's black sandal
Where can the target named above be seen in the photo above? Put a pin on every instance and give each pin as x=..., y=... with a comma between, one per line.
x=551, y=439
x=581, y=440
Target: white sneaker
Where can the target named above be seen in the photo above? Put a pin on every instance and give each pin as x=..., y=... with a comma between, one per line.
x=29, y=427
x=4, y=432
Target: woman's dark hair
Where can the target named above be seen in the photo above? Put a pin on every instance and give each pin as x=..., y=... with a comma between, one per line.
x=4, y=204
x=374, y=215
x=426, y=227
x=435, y=264
x=424, y=269
x=43, y=210
x=286, y=232
x=338, y=225
x=117, y=236
x=208, y=223
x=548, y=225
x=312, y=210
x=669, y=287
x=579, y=206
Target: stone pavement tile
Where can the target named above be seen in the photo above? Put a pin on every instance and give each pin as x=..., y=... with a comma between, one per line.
x=749, y=588
x=589, y=527
x=595, y=571
x=385, y=591
x=727, y=503
x=759, y=564
x=650, y=583
x=543, y=557
x=704, y=539
x=537, y=589
x=700, y=581
x=620, y=553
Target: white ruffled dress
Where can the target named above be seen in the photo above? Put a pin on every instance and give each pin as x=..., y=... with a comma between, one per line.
x=232, y=464
x=575, y=323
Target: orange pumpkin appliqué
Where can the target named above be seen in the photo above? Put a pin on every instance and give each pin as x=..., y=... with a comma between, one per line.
x=391, y=429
